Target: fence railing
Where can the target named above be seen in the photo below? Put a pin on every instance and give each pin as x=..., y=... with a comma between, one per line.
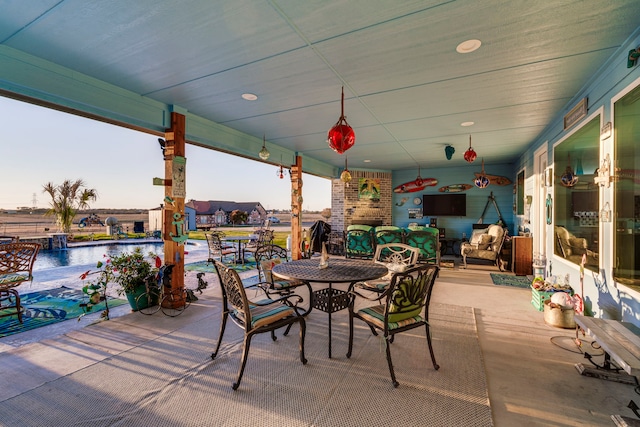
x=38, y=228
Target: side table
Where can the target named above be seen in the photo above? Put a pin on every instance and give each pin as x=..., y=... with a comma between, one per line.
x=450, y=246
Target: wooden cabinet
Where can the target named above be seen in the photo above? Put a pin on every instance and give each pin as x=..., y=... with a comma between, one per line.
x=522, y=255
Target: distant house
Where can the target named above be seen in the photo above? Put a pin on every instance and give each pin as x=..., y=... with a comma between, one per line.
x=214, y=213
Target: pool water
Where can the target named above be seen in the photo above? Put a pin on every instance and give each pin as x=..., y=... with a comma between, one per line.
x=87, y=255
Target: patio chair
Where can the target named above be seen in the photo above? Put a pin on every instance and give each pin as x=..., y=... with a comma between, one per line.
x=269, y=255
x=335, y=243
x=485, y=245
x=217, y=248
x=16, y=267
x=406, y=307
x=360, y=242
x=428, y=241
x=254, y=317
x=263, y=237
x=388, y=234
x=397, y=257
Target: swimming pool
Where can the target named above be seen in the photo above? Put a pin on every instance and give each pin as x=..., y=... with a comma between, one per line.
x=86, y=255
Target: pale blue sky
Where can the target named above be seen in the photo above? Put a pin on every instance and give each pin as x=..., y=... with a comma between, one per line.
x=40, y=145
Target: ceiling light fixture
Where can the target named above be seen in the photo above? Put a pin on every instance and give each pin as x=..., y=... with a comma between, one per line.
x=482, y=181
x=249, y=96
x=264, y=153
x=470, y=155
x=345, y=176
x=466, y=124
x=341, y=136
x=468, y=46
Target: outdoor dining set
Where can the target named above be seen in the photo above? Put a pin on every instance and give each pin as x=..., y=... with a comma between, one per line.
x=390, y=292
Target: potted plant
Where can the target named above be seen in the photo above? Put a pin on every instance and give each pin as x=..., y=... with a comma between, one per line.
x=129, y=271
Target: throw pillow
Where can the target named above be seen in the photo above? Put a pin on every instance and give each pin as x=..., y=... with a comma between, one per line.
x=476, y=236
x=485, y=242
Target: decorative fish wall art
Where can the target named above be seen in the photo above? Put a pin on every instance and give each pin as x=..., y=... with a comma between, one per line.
x=415, y=185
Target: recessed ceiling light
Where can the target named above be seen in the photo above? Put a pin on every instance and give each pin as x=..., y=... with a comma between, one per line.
x=465, y=124
x=468, y=46
x=366, y=161
x=249, y=96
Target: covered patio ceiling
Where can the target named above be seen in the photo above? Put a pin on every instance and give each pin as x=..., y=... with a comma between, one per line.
x=407, y=90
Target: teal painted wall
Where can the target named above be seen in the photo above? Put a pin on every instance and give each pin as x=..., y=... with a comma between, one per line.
x=603, y=296
x=476, y=198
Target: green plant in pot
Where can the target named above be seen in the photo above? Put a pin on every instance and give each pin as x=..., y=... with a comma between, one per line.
x=130, y=271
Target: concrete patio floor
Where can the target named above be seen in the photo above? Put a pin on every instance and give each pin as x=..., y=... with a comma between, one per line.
x=531, y=380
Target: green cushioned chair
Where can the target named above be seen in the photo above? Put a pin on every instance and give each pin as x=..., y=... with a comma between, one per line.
x=428, y=241
x=406, y=307
x=360, y=242
x=388, y=234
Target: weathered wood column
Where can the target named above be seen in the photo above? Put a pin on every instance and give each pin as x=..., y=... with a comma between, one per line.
x=296, y=209
x=174, y=191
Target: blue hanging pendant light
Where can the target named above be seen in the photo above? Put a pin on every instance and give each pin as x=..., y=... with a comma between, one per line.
x=482, y=181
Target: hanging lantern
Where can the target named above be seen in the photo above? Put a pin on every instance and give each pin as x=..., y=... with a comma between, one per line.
x=341, y=136
x=448, y=151
x=568, y=178
x=470, y=155
x=264, y=153
x=345, y=176
x=281, y=172
x=482, y=181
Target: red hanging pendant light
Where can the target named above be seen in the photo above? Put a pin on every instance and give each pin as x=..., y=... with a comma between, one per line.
x=470, y=155
x=341, y=136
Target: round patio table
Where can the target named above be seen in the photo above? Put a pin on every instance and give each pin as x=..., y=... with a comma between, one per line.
x=339, y=270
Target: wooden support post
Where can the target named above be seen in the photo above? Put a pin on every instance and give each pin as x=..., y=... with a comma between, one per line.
x=296, y=209
x=174, y=171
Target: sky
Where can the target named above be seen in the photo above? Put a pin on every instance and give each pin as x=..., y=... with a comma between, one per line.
x=41, y=145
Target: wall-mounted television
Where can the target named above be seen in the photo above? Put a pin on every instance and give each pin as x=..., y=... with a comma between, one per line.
x=444, y=204
x=584, y=201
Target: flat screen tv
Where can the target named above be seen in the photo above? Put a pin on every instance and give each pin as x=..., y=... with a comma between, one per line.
x=444, y=205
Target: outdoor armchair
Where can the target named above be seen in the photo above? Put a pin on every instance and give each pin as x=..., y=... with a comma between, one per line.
x=428, y=241
x=397, y=257
x=218, y=249
x=16, y=266
x=269, y=255
x=360, y=242
x=254, y=317
x=485, y=245
x=406, y=307
x=388, y=234
x=263, y=237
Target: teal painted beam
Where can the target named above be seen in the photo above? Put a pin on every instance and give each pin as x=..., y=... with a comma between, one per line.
x=32, y=77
